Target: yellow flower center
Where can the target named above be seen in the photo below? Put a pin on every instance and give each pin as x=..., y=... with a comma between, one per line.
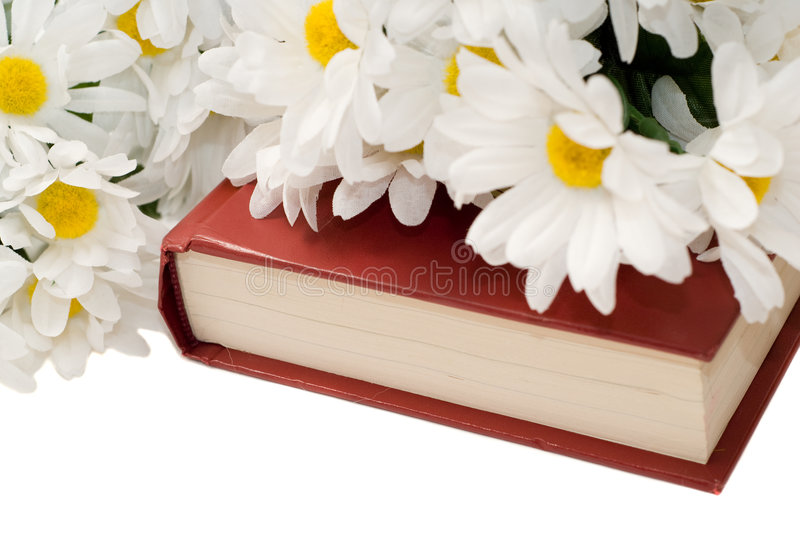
x=416, y=150
x=71, y=210
x=451, y=71
x=23, y=86
x=758, y=185
x=74, y=306
x=126, y=23
x=324, y=39
x=577, y=166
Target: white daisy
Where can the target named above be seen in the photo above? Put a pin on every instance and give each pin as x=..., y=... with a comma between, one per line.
x=317, y=61
x=87, y=220
x=164, y=23
x=66, y=330
x=51, y=51
x=749, y=179
x=583, y=195
x=421, y=78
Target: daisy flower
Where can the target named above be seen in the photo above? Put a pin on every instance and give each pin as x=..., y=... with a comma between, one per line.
x=749, y=176
x=65, y=330
x=316, y=60
x=87, y=221
x=423, y=77
x=581, y=194
x=51, y=52
x=163, y=23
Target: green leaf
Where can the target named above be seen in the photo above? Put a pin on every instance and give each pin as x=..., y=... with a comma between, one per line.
x=653, y=60
x=150, y=209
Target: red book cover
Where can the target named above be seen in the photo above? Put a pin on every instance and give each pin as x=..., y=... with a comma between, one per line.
x=691, y=319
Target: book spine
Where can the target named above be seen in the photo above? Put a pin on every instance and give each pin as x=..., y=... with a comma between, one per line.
x=179, y=240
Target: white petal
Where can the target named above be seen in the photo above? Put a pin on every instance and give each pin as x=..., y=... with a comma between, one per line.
x=671, y=110
x=13, y=274
x=640, y=237
x=592, y=250
x=37, y=221
x=621, y=177
x=604, y=295
x=70, y=353
x=585, y=130
x=756, y=284
x=263, y=202
x=101, y=302
x=104, y=99
x=67, y=153
x=486, y=169
x=605, y=101
x=625, y=20
x=410, y=197
x=782, y=106
x=728, y=199
x=308, y=203
x=542, y=284
x=495, y=92
x=349, y=200
x=13, y=377
x=27, y=19
x=49, y=314
x=544, y=232
x=407, y=116
x=242, y=160
x=777, y=238
x=749, y=151
x=735, y=82
x=100, y=59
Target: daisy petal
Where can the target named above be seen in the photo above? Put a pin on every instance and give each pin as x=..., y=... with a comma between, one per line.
x=349, y=200
x=37, y=221
x=756, y=284
x=728, y=199
x=542, y=284
x=49, y=314
x=735, y=83
x=411, y=197
x=592, y=249
x=101, y=302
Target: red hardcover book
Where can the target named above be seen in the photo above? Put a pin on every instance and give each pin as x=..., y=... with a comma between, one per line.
x=691, y=320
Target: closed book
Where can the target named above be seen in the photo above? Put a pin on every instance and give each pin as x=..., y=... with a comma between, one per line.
x=670, y=385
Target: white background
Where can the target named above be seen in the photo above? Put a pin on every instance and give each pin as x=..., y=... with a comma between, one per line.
x=167, y=445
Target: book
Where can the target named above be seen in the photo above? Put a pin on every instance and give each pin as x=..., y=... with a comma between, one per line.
x=670, y=385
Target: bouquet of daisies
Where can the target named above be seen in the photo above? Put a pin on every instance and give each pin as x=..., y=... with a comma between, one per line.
x=592, y=133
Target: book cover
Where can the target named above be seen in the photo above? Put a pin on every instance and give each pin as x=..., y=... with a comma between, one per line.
x=691, y=319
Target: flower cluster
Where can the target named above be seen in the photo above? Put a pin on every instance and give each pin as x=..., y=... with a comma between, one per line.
x=591, y=133
x=87, y=89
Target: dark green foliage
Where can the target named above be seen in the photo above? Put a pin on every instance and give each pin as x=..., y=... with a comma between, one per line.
x=652, y=61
